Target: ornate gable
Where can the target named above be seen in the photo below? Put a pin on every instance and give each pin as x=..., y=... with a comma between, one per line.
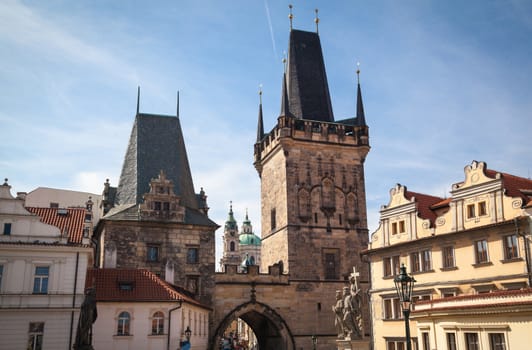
x=161, y=203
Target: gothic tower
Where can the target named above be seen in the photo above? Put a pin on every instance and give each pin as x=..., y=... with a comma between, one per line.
x=312, y=177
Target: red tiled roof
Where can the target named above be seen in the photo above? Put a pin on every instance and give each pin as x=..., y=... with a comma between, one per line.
x=514, y=185
x=72, y=222
x=424, y=204
x=145, y=286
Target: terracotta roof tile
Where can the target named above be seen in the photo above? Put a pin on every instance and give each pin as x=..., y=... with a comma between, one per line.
x=515, y=186
x=424, y=204
x=72, y=221
x=133, y=285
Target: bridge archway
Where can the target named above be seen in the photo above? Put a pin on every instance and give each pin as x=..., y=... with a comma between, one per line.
x=271, y=330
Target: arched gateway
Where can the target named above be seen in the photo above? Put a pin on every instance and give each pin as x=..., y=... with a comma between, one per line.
x=271, y=330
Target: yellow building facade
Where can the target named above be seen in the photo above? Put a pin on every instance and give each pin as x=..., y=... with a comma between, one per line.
x=470, y=256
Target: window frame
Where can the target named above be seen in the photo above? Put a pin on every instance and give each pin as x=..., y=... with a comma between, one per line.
x=481, y=251
x=123, y=322
x=7, y=228
x=192, y=259
x=150, y=248
x=502, y=341
x=448, y=260
x=157, y=323
x=43, y=279
x=472, y=341
x=35, y=335
x=511, y=249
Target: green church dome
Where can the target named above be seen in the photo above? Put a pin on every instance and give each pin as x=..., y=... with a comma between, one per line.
x=249, y=239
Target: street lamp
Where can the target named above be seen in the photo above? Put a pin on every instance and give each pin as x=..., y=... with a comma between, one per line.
x=188, y=333
x=404, y=285
x=314, y=342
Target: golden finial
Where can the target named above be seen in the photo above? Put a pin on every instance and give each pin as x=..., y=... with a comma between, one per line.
x=290, y=16
x=316, y=20
x=358, y=72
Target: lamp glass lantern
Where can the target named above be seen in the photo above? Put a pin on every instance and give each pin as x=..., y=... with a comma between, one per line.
x=404, y=285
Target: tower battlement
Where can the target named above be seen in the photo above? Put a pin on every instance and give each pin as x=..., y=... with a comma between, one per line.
x=340, y=133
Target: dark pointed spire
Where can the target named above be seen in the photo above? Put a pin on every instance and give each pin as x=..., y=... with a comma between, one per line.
x=308, y=89
x=138, y=98
x=361, y=118
x=285, y=110
x=177, y=107
x=260, y=124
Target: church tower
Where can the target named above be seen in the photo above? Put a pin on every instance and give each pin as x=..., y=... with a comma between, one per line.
x=312, y=176
x=231, y=253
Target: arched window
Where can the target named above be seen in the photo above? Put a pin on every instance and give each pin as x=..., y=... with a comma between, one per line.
x=252, y=260
x=123, y=323
x=232, y=246
x=157, y=323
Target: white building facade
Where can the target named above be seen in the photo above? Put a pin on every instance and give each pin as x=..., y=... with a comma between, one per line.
x=42, y=275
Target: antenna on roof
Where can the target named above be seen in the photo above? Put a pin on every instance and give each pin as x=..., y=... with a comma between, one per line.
x=138, y=98
x=316, y=20
x=177, y=108
x=290, y=16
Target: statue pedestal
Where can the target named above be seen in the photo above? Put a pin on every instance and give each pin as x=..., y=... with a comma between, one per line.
x=356, y=344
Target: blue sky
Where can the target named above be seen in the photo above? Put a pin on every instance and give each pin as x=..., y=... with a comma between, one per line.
x=443, y=82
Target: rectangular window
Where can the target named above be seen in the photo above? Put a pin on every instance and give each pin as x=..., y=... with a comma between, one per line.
x=401, y=226
x=481, y=251
x=192, y=256
x=340, y=219
x=396, y=345
x=482, y=209
x=331, y=262
x=497, y=341
x=396, y=264
x=510, y=247
x=425, y=340
x=156, y=205
x=392, y=309
x=273, y=219
x=54, y=205
x=414, y=262
x=387, y=265
x=394, y=228
x=471, y=340
x=166, y=206
x=88, y=217
x=448, y=257
x=36, y=333
x=451, y=341
x=470, y=211
x=192, y=284
x=40, y=280
x=426, y=260
x=152, y=253
x=7, y=228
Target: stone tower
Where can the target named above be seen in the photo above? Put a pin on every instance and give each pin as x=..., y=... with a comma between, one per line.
x=313, y=200
x=154, y=219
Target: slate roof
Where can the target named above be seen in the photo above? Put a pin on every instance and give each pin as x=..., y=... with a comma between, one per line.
x=130, y=212
x=145, y=286
x=156, y=143
x=308, y=90
x=70, y=220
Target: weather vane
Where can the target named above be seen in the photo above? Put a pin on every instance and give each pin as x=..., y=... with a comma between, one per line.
x=316, y=20
x=290, y=16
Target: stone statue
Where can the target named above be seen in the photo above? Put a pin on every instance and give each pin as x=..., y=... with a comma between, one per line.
x=338, y=314
x=87, y=317
x=352, y=302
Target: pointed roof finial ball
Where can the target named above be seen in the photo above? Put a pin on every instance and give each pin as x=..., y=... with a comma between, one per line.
x=290, y=16
x=5, y=182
